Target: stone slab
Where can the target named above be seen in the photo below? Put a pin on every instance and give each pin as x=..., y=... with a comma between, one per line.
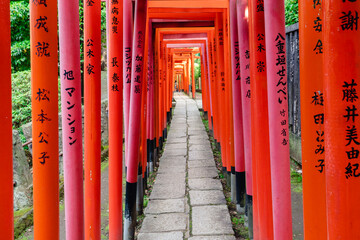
x=172, y=146
x=165, y=206
x=208, y=197
x=201, y=137
x=164, y=223
x=169, y=178
x=222, y=237
x=161, y=236
x=195, y=133
x=196, y=128
x=173, y=160
x=179, y=131
x=204, y=184
x=179, y=134
x=198, y=155
x=178, y=126
x=198, y=141
x=204, y=172
x=201, y=163
x=168, y=191
x=211, y=220
x=172, y=163
x=200, y=147
x=166, y=168
x=176, y=140
x=175, y=152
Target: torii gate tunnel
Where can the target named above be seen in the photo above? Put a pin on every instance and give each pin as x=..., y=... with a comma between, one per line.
x=151, y=49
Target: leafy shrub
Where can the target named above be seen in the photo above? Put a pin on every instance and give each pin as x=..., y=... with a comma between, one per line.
x=20, y=20
x=291, y=12
x=21, y=98
x=20, y=35
x=20, y=55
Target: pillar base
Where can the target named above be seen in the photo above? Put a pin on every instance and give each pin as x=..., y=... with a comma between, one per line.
x=249, y=211
x=149, y=155
x=156, y=158
x=240, y=189
x=211, y=132
x=140, y=193
x=165, y=133
x=130, y=211
x=168, y=114
x=233, y=186
x=228, y=179
x=241, y=210
x=160, y=143
x=224, y=172
x=218, y=146
x=206, y=115
x=145, y=180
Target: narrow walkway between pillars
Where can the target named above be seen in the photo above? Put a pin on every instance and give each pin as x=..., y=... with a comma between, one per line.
x=187, y=201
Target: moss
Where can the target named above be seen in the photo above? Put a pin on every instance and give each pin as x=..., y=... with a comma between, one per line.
x=61, y=206
x=104, y=165
x=18, y=214
x=23, y=221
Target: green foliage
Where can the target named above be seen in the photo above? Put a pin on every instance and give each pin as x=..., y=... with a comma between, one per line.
x=20, y=55
x=20, y=35
x=238, y=220
x=21, y=98
x=296, y=177
x=197, y=66
x=291, y=12
x=20, y=18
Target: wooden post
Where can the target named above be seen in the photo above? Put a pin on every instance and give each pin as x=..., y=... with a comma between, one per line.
x=45, y=110
x=312, y=103
x=151, y=108
x=115, y=91
x=6, y=172
x=243, y=34
x=278, y=117
x=135, y=117
x=92, y=88
x=238, y=180
x=70, y=77
x=219, y=41
x=127, y=61
x=193, y=87
x=341, y=85
x=263, y=223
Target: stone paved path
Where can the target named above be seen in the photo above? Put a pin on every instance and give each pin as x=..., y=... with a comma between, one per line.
x=187, y=201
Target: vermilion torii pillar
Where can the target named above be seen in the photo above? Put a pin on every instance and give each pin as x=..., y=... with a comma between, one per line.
x=135, y=117
x=312, y=104
x=150, y=103
x=341, y=85
x=220, y=89
x=263, y=223
x=44, y=97
x=92, y=94
x=70, y=77
x=278, y=117
x=6, y=171
x=115, y=92
x=243, y=34
x=238, y=174
x=127, y=59
x=193, y=87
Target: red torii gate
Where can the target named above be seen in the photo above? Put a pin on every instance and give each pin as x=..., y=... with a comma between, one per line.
x=338, y=219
